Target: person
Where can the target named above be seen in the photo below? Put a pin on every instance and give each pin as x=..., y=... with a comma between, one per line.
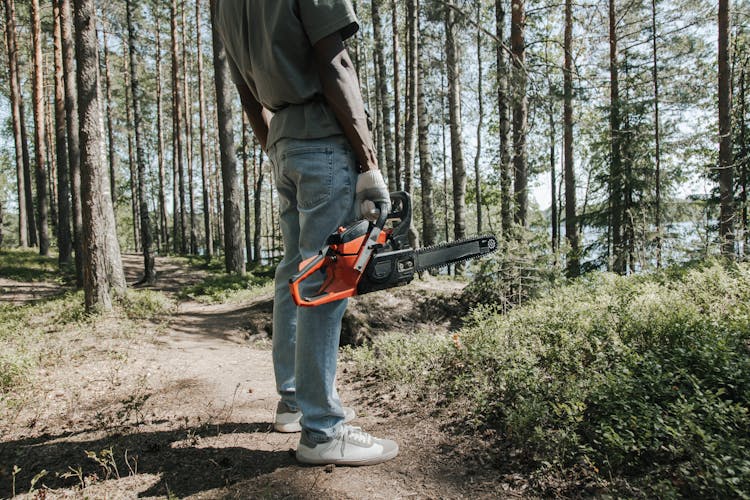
x=300, y=92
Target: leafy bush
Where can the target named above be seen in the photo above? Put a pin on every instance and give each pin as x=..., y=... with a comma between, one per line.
x=224, y=287
x=645, y=378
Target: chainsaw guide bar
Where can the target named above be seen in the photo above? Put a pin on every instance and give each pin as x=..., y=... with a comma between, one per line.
x=366, y=257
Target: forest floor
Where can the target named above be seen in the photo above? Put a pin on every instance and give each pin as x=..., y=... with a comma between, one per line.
x=182, y=405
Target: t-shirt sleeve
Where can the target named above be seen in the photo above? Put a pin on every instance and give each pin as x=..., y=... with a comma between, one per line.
x=322, y=18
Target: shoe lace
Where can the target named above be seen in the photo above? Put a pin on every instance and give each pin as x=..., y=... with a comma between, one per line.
x=355, y=435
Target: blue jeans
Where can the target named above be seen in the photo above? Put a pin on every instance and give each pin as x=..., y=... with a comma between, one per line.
x=315, y=180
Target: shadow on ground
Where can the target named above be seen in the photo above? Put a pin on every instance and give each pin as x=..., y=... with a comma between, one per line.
x=184, y=466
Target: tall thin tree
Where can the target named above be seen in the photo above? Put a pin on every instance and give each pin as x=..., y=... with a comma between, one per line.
x=149, y=270
x=234, y=262
x=64, y=236
x=74, y=150
x=616, y=187
x=503, y=118
x=571, y=220
x=726, y=167
x=454, y=97
x=203, y=145
x=177, y=108
x=112, y=151
x=381, y=76
x=103, y=274
x=429, y=230
x=395, y=56
x=39, y=130
x=163, y=213
x=19, y=127
x=520, y=111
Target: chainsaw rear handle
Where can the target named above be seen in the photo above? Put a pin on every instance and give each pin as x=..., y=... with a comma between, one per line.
x=343, y=285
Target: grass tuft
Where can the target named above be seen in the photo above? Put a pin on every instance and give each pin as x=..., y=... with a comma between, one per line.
x=223, y=288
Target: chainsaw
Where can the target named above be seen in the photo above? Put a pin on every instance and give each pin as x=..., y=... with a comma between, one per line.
x=366, y=257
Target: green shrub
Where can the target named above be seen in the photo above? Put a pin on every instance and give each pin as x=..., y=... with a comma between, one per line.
x=646, y=378
x=224, y=287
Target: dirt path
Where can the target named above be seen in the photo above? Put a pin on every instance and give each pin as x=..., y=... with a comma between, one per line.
x=184, y=409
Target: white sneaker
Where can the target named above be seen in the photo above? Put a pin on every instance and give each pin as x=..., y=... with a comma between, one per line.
x=287, y=420
x=352, y=446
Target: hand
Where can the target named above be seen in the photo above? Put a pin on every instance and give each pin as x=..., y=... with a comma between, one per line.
x=371, y=192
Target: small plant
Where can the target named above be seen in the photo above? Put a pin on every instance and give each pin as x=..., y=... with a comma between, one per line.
x=105, y=459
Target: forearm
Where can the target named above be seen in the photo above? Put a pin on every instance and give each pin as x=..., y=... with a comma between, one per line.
x=341, y=90
x=259, y=117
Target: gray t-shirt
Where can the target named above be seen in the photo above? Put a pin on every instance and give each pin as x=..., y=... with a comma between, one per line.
x=269, y=46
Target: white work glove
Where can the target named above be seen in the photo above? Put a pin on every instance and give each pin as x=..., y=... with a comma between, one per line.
x=371, y=191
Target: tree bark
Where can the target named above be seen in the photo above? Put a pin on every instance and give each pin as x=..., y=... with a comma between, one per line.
x=246, y=152
x=657, y=138
x=64, y=236
x=397, y=173
x=520, y=112
x=73, y=129
x=110, y=121
x=480, y=120
x=234, y=262
x=454, y=107
x=181, y=244
x=385, y=109
x=504, y=122
x=134, y=207
x=163, y=217
x=429, y=231
x=204, y=152
x=39, y=130
x=258, y=208
x=412, y=77
x=19, y=128
x=103, y=274
x=573, y=263
x=726, y=168
x=616, y=187
x=188, y=135
x=149, y=271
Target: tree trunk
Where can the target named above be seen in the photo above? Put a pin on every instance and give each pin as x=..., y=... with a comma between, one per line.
x=103, y=275
x=385, y=113
x=257, y=207
x=726, y=169
x=19, y=129
x=232, y=215
x=51, y=158
x=149, y=271
x=39, y=130
x=454, y=106
x=480, y=120
x=657, y=139
x=64, y=236
x=246, y=189
x=163, y=218
x=134, y=207
x=552, y=165
x=520, y=112
x=110, y=122
x=504, y=123
x=571, y=221
x=616, y=188
x=412, y=77
x=396, y=174
x=177, y=108
x=188, y=135
x=204, y=152
x=73, y=129
x=429, y=231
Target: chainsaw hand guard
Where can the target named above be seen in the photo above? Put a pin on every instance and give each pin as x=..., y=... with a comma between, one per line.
x=343, y=259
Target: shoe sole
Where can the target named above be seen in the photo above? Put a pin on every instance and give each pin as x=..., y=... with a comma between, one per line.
x=354, y=463
x=287, y=428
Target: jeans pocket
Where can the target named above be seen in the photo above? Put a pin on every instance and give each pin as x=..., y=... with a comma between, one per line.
x=312, y=167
